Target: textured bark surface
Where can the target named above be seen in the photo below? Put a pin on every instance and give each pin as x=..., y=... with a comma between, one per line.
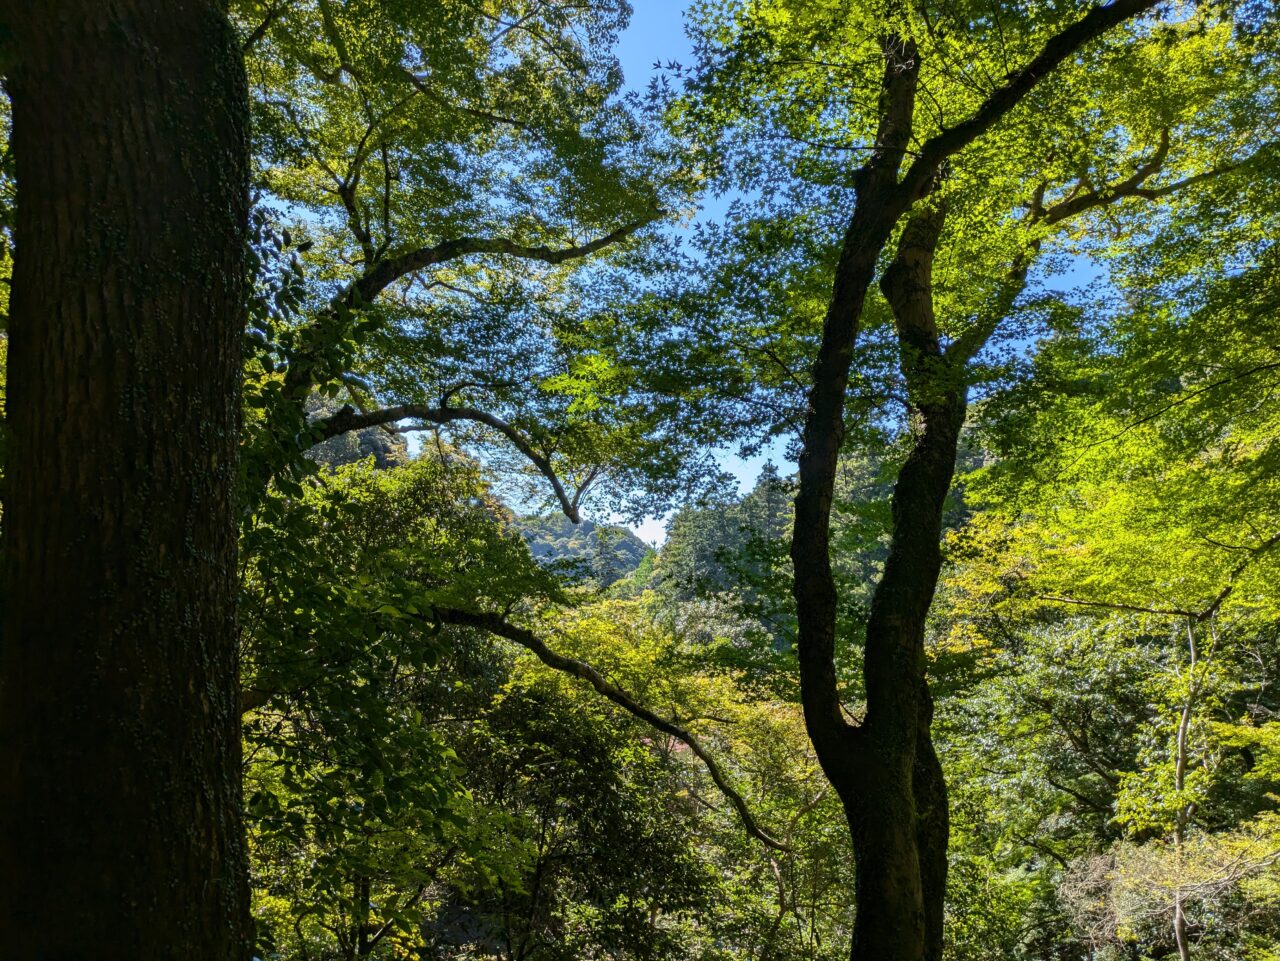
x=120, y=832
x=890, y=779
x=885, y=769
x=895, y=663
x=871, y=766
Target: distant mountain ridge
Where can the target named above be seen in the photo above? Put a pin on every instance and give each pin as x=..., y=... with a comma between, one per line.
x=605, y=552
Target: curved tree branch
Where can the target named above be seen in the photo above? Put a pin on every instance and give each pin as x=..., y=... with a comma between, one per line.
x=1195, y=616
x=419, y=84
x=305, y=368
x=1128, y=187
x=1003, y=99
x=302, y=371
x=968, y=344
x=1118, y=606
x=349, y=419
x=580, y=669
x=381, y=275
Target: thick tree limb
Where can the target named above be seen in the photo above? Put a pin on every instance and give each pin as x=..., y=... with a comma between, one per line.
x=580, y=669
x=304, y=368
x=897, y=106
x=885, y=769
x=252, y=698
x=1002, y=100
x=880, y=203
x=378, y=277
x=894, y=655
x=383, y=274
x=349, y=419
x=907, y=285
x=1134, y=185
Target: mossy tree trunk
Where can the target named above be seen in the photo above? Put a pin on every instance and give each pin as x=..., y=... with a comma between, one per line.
x=120, y=832
x=885, y=769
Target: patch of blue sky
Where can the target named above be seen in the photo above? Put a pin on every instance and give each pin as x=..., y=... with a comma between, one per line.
x=654, y=39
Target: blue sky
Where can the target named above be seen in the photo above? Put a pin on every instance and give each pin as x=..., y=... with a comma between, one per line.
x=656, y=33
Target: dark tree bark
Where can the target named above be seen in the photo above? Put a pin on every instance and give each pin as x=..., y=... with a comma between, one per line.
x=895, y=795
x=885, y=769
x=120, y=832
x=895, y=665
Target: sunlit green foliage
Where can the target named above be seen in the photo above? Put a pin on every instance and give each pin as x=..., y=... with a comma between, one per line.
x=1119, y=577
x=476, y=246
x=417, y=786
x=471, y=198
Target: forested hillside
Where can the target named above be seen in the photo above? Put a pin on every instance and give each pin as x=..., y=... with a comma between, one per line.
x=301, y=296
x=606, y=553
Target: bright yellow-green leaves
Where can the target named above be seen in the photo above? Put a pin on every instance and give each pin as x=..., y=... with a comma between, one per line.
x=1125, y=517
x=1150, y=126
x=1117, y=577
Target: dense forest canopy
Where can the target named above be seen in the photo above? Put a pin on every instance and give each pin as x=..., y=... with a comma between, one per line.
x=343, y=351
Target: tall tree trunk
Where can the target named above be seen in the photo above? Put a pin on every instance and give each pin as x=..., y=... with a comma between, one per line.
x=120, y=832
x=885, y=769
x=1185, y=810
x=895, y=661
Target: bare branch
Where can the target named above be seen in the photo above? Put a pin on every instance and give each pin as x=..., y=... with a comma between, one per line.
x=1091, y=803
x=382, y=275
x=1179, y=401
x=580, y=669
x=1254, y=553
x=349, y=419
x=1204, y=614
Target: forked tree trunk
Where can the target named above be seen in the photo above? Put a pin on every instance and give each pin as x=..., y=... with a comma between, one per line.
x=120, y=833
x=885, y=769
